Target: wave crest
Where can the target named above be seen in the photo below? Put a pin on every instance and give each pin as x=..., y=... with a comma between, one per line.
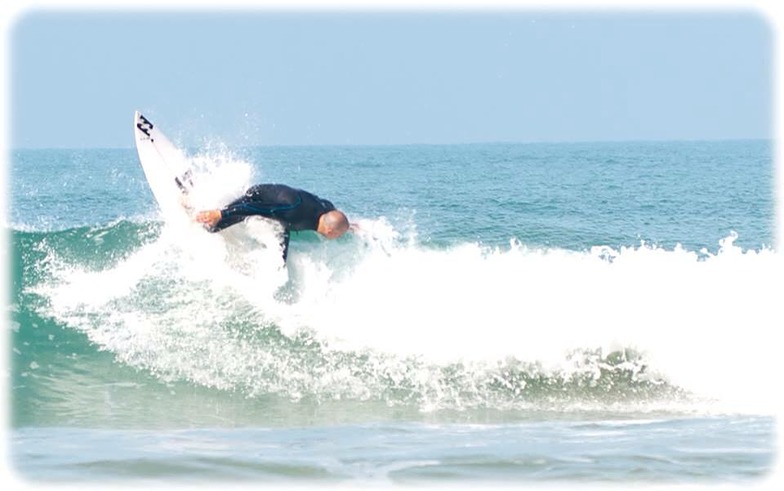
x=381, y=317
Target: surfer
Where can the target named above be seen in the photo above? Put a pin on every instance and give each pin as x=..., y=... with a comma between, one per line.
x=295, y=209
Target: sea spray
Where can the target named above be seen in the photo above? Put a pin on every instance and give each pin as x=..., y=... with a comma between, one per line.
x=195, y=350
x=463, y=326
x=702, y=322
x=381, y=314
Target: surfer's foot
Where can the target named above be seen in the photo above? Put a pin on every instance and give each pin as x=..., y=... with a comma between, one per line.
x=209, y=217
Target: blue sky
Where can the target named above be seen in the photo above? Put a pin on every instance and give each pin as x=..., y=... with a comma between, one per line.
x=350, y=77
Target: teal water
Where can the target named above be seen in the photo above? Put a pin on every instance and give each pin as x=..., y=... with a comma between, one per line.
x=513, y=312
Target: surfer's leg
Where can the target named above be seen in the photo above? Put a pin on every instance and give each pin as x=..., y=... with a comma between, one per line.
x=285, y=244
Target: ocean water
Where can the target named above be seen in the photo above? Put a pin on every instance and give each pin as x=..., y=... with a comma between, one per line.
x=513, y=313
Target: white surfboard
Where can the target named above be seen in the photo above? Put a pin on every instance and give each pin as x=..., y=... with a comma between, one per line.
x=170, y=176
x=166, y=167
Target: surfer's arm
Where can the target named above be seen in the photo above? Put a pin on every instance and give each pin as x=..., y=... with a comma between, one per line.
x=214, y=221
x=250, y=205
x=237, y=211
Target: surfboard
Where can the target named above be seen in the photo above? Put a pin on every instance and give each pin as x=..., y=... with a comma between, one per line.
x=165, y=166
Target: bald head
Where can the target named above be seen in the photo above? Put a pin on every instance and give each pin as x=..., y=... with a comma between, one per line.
x=333, y=224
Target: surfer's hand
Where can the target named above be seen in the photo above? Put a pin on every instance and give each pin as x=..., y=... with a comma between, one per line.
x=208, y=217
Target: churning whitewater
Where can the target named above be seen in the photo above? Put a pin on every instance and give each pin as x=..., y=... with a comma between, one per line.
x=385, y=316
x=544, y=311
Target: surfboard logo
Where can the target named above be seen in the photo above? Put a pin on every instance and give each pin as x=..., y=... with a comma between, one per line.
x=144, y=125
x=183, y=180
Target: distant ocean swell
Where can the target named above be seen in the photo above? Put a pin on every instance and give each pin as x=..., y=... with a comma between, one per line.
x=381, y=317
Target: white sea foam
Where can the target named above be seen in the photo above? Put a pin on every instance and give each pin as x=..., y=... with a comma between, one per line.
x=704, y=322
x=227, y=175
x=707, y=323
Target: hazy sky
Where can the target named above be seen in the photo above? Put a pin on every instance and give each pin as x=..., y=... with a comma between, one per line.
x=265, y=77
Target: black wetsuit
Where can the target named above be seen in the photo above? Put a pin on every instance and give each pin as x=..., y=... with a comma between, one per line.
x=294, y=208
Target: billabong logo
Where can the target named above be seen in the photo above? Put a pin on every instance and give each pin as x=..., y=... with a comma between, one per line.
x=144, y=125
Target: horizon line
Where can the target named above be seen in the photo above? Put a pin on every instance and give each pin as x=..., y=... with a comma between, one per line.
x=493, y=142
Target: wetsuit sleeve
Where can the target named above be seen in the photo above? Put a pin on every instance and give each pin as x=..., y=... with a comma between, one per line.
x=276, y=202
x=250, y=205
